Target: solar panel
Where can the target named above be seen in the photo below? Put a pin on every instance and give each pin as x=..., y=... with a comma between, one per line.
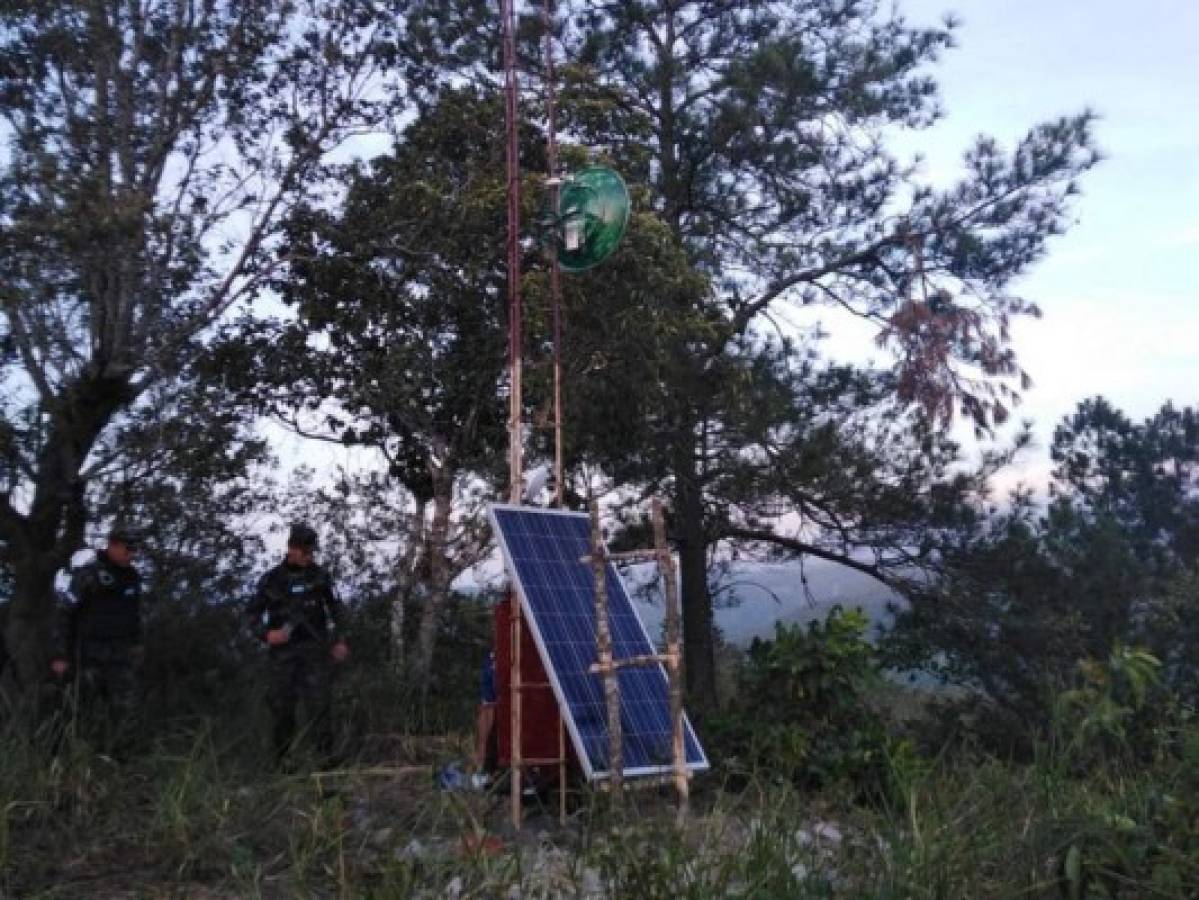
x=543, y=550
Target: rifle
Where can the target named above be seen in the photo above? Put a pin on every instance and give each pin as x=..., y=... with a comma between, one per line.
x=292, y=620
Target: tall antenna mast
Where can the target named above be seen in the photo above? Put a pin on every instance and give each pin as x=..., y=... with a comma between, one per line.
x=554, y=183
x=591, y=213
x=515, y=425
x=515, y=401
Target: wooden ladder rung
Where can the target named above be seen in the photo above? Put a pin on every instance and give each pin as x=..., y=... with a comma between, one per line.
x=626, y=556
x=651, y=659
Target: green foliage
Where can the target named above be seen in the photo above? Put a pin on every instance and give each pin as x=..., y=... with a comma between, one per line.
x=198, y=656
x=187, y=471
x=147, y=160
x=803, y=711
x=1025, y=594
x=194, y=815
x=375, y=699
x=1130, y=833
x=1171, y=630
x=1141, y=475
x=399, y=340
x=1095, y=715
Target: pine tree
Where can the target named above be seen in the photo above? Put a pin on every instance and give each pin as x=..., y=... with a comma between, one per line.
x=761, y=132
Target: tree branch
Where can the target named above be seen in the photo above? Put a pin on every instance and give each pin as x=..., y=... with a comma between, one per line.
x=803, y=547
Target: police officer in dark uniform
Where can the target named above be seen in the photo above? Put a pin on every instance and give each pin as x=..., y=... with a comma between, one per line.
x=104, y=627
x=296, y=612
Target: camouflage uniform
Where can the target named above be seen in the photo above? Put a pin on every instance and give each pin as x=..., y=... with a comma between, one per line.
x=300, y=600
x=104, y=634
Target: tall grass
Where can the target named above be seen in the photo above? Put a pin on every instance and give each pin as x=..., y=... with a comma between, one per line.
x=194, y=811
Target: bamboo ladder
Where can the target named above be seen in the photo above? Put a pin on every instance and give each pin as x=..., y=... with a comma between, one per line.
x=609, y=667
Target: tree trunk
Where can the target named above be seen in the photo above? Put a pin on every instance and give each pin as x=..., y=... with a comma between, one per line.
x=699, y=654
x=406, y=571
x=42, y=541
x=30, y=632
x=396, y=628
x=437, y=557
x=51, y=532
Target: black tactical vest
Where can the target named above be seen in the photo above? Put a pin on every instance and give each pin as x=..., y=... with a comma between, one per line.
x=108, y=599
x=298, y=599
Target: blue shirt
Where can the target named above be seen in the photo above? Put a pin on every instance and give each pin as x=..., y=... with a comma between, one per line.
x=487, y=693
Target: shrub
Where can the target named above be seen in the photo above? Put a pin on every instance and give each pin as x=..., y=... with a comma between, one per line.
x=803, y=710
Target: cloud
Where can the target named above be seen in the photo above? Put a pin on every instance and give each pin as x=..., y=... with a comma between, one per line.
x=1136, y=353
x=1186, y=237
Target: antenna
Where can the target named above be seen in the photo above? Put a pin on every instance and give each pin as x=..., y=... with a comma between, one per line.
x=593, y=214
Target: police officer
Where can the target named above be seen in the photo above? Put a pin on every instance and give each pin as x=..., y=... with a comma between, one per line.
x=104, y=627
x=296, y=612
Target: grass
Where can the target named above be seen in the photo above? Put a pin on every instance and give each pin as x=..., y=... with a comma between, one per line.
x=196, y=815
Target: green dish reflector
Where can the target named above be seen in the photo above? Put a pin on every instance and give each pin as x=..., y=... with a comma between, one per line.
x=593, y=211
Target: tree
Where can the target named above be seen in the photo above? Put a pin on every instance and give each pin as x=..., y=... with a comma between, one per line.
x=806, y=710
x=188, y=473
x=861, y=479
x=760, y=132
x=400, y=337
x=1140, y=479
x=151, y=148
x=1029, y=592
x=1143, y=475
x=836, y=469
x=1017, y=604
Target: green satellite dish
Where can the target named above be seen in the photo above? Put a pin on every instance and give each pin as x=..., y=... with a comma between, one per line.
x=593, y=213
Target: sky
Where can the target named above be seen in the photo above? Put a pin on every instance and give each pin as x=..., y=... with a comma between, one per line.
x=1120, y=291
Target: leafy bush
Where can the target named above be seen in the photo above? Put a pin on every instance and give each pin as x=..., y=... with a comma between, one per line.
x=1100, y=715
x=199, y=661
x=1170, y=629
x=803, y=710
x=1129, y=831
x=375, y=698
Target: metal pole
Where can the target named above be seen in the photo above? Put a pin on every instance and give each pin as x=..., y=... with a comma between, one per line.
x=515, y=437
x=554, y=184
x=562, y=772
x=515, y=401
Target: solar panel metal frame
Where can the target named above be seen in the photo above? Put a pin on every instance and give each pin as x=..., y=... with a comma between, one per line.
x=530, y=619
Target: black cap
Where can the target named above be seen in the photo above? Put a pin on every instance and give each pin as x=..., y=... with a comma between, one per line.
x=122, y=534
x=302, y=536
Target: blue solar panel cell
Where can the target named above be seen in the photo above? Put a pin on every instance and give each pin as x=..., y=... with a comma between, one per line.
x=543, y=551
